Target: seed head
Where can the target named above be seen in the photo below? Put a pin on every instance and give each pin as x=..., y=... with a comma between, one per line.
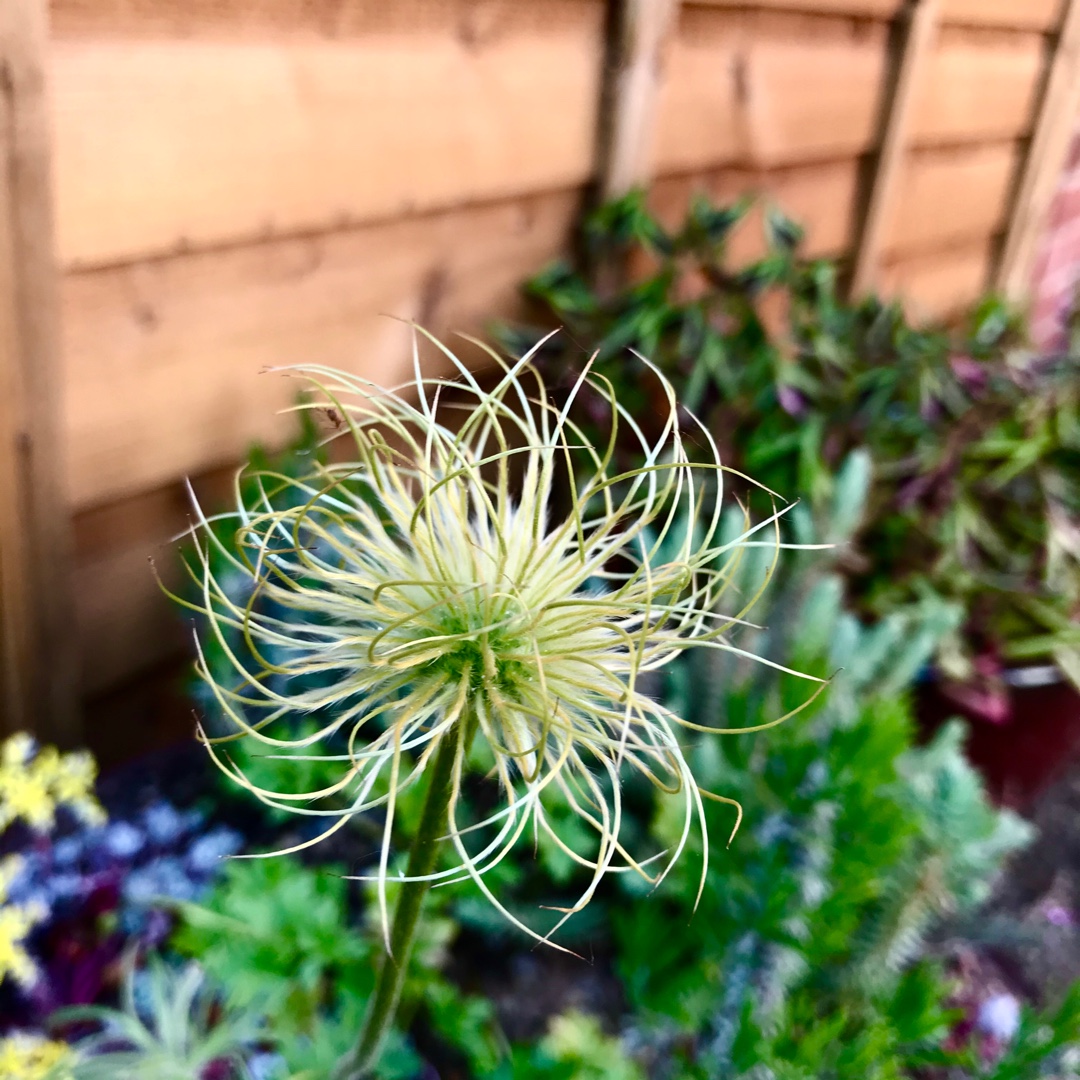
x=423, y=592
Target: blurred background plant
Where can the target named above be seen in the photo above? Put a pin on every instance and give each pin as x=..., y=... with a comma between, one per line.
x=975, y=441
x=833, y=939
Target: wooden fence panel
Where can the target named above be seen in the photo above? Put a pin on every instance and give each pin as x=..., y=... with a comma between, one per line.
x=163, y=358
x=737, y=97
x=250, y=183
x=166, y=145
x=939, y=285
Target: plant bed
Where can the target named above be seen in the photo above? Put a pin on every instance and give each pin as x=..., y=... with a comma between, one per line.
x=973, y=442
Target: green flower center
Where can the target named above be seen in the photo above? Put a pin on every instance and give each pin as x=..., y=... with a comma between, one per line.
x=490, y=655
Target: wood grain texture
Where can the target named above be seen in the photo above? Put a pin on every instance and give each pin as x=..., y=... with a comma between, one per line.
x=162, y=359
x=979, y=88
x=641, y=33
x=165, y=145
x=738, y=95
x=1023, y=14
x=125, y=622
x=1019, y=14
x=334, y=18
x=471, y=21
x=889, y=161
x=38, y=689
x=949, y=196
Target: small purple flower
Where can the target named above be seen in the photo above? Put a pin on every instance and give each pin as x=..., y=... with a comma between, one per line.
x=791, y=400
x=208, y=851
x=164, y=823
x=65, y=886
x=931, y=410
x=1058, y=915
x=123, y=840
x=970, y=372
x=67, y=850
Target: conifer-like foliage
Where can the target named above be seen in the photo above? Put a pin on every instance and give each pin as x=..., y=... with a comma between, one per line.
x=806, y=956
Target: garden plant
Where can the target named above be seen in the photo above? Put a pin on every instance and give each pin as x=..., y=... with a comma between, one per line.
x=445, y=608
x=975, y=440
x=461, y=660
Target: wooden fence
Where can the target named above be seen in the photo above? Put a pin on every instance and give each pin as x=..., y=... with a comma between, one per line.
x=245, y=183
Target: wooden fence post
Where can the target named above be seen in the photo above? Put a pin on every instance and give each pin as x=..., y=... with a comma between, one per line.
x=639, y=31
x=922, y=22
x=1054, y=127
x=38, y=677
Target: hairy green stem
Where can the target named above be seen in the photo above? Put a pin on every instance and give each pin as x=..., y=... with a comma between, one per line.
x=360, y=1062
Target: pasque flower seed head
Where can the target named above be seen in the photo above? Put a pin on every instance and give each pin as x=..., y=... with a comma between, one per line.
x=423, y=592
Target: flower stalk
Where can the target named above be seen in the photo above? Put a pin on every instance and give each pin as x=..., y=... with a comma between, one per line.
x=360, y=1062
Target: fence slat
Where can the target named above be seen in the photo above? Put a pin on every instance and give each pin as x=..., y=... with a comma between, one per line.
x=1054, y=128
x=922, y=21
x=37, y=634
x=640, y=32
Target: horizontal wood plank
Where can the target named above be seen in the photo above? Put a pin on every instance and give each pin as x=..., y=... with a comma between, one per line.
x=1019, y=14
x=978, y=89
x=177, y=145
x=1023, y=14
x=337, y=18
x=735, y=97
x=471, y=21
x=940, y=285
x=950, y=196
x=125, y=622
x=162, y=359
x=165, y=145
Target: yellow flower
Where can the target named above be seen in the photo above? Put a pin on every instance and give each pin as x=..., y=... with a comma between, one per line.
x=437, y=603
x=26, y=1057
x=73, y=785
x=16, y=751
x=16, y=922
x=32, y=786
x=25, y=796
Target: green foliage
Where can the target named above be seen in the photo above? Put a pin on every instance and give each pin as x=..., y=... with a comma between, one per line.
x=271, y=934
x=176, y=1034
x=805, y=956
x=1044, y=1046
x=800, y=958
x=575, y=1048
x=288, y=942
x=975, y=444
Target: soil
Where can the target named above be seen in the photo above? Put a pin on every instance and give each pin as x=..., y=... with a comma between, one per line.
x=1032, y=926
